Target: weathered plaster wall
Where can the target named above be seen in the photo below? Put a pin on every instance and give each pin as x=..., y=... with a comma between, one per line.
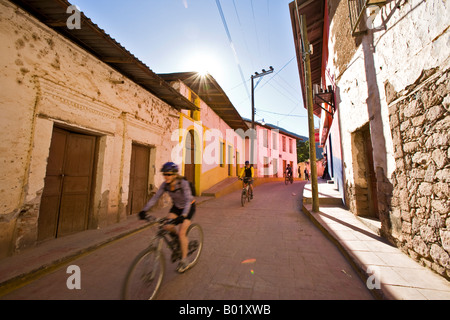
x=46, y=81
x=409, y=38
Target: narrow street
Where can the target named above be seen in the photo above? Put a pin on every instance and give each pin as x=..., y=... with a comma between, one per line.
x=292, y=259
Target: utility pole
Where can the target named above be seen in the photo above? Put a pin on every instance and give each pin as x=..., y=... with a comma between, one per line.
x=256, y=75
x=309, y=98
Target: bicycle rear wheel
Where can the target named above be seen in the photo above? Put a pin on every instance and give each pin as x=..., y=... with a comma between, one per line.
x=144, y=276
x=195, y=236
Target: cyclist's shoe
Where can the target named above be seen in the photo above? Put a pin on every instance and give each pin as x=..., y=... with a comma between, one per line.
x=182, y=266
x=142, y=215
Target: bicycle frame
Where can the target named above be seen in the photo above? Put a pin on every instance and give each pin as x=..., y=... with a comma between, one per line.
x=162, y=237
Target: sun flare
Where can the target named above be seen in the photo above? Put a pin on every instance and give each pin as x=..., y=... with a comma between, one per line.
x=204, y=64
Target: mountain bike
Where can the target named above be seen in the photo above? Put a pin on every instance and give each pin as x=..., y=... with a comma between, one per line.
x=247, y=193
x=146, y=272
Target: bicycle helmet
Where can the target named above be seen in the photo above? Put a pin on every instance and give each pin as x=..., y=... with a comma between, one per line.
x=169, y=167
x=247, y=162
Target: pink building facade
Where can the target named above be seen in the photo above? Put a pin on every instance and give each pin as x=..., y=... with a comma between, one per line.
x=275, y=148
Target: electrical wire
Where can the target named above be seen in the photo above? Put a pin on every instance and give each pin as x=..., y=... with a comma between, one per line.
x=225, y=25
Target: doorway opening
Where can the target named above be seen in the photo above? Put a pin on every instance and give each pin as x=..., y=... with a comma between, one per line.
x=66, y=199
x=365, y=191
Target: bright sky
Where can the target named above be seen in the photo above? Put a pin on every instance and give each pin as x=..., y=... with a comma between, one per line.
x=190, y=35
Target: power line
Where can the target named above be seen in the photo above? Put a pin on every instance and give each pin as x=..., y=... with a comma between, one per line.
x=277, y=72
x=225, y=25
x=283, y=114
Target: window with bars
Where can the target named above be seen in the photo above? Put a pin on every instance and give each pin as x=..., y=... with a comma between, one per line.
x=357, y=13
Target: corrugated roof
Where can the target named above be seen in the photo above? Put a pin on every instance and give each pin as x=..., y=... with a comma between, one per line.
x=314, y=11
x=93, y=39
x=207, y=88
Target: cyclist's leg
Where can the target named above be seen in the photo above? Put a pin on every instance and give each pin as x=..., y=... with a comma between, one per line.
x=171, y=227
x=184, y=242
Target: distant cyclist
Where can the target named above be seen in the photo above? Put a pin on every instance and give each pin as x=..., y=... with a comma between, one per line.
x=248, y=173
x=288, y=171
x=183, y=208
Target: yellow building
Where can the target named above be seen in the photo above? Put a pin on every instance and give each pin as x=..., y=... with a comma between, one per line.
x=211, y=139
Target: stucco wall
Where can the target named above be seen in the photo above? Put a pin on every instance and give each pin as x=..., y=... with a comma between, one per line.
x=46, y=81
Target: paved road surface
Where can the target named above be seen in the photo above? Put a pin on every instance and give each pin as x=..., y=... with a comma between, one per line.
x=292, y=259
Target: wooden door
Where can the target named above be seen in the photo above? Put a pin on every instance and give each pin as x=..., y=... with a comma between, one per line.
x=66, y=197
x=370, y=173
x=139, y=170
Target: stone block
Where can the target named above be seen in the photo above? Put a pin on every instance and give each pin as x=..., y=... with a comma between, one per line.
x=412, y=110
x=442, y=190
x=440, y=206
x=428, y=234
x=440, y=256
x=420, y=247
x=440, y=158
x=406, y=227
x=431, y=100
x=443, y=175
x=445, y=239
x=426, y=189
x=421, y=158
x=410, y=147
x=418, y=121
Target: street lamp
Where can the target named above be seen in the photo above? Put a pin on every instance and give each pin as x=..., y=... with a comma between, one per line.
x=255, y=76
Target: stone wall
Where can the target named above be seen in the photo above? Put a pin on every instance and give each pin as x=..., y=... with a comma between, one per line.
x=420, y=126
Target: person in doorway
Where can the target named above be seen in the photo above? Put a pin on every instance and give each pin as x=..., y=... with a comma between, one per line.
x=183, y=208
x=306, y=172
x=248, y=173
x=325, y=175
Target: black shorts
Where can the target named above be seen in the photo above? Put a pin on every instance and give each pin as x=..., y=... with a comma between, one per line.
x=179, y=211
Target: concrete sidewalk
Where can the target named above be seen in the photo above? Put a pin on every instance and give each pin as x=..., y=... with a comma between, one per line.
x=393, y=273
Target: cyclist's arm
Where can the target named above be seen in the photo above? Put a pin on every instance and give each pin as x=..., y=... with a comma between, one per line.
x=242, y=172
x=253, y=172
x=155, y=198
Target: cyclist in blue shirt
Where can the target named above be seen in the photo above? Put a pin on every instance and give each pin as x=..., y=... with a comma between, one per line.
x=183, y=208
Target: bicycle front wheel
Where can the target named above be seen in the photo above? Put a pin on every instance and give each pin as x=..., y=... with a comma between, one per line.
x=243, y=196
x=144, y=276
x=195, y=236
